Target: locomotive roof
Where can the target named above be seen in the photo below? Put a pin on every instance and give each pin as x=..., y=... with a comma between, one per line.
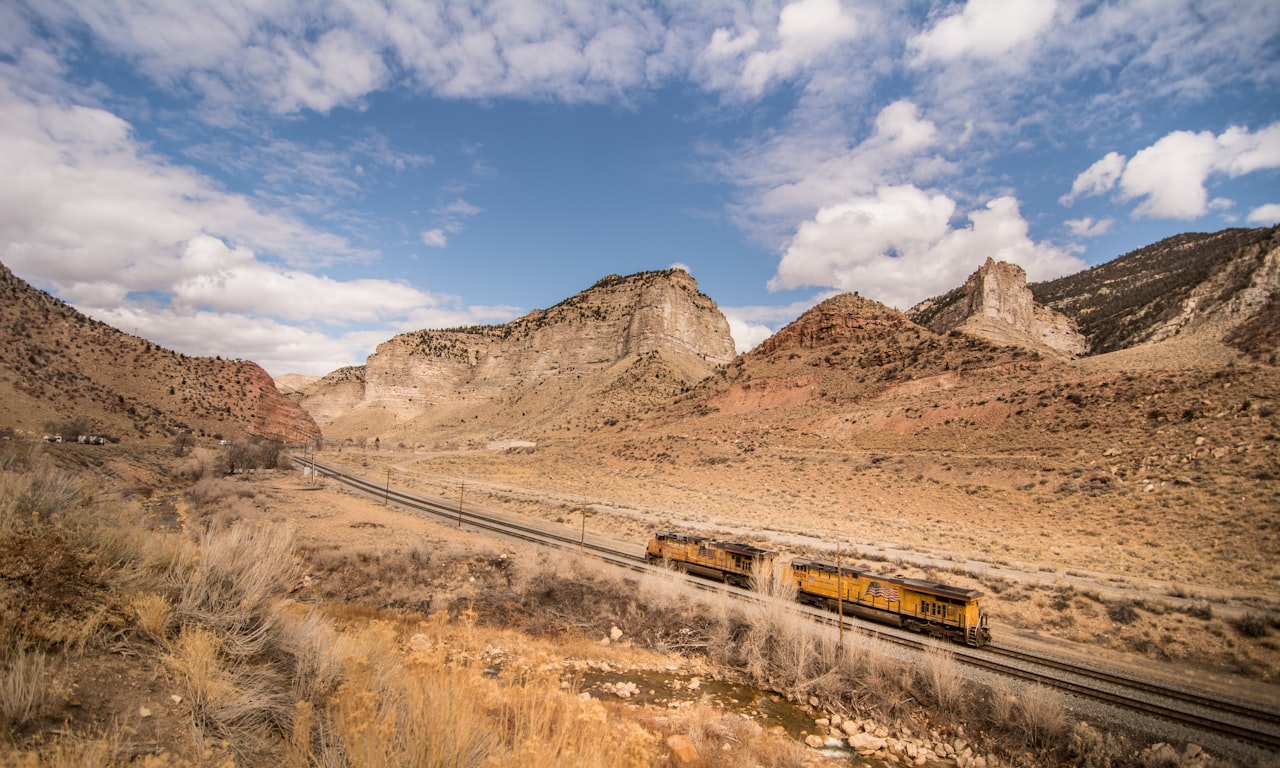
x=825, y=566
x=919, y=585
x=730, y=546
x=922, y=585
x=742, y=549
x=682, y=537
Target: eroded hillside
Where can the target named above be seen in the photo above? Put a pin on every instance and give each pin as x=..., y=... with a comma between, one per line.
x=61, y=371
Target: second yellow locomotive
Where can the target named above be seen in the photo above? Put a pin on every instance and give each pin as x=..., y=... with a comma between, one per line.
x=916, y=604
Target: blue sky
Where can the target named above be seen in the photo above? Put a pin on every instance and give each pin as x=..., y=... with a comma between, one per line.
x=293, y=183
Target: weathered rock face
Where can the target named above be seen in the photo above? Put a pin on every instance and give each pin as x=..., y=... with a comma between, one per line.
x=333, y=395
x=995, y=304
x=575, y=342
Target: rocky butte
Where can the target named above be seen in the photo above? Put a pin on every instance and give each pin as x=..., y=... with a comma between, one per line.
x=995, y=304
x=624, y=343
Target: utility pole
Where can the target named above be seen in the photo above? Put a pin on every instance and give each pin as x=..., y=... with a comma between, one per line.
x=582, y=543
x=386, y=494
x=461, y=490
x=840, y=597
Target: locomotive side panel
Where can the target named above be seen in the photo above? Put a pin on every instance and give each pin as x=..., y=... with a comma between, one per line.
x=916, y=604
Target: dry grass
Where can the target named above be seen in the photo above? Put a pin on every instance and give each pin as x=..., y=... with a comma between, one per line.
x=23, y=687
x=264, y=679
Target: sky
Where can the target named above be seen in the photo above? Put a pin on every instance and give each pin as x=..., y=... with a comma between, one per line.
x=295, y=182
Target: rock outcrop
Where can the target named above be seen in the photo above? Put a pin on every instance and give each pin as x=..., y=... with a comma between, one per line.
x=571, y=354
x=995, y=304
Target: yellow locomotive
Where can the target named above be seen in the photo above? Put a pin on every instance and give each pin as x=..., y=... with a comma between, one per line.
x=916, y=604
x=723, y=561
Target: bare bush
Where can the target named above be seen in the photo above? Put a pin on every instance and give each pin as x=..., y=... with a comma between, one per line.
x=1041, y=717
x=944, y=680
x=232, y=585
x=32, y=498
x=23, y=687
x=774, y=581
x=229, y=700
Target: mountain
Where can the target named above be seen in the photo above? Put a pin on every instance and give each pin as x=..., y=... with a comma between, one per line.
x=1184, y=284
x=849, y=349
x=61, y=371
x=625, y=344
x=995, y=304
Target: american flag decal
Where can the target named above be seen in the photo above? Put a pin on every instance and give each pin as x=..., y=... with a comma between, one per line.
x=887, y=593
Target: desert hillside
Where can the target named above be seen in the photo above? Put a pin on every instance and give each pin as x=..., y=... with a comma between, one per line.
x=1190, y=282
x=63, y=372
x=1060, y=484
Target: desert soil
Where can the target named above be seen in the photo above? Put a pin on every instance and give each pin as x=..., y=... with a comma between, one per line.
x=1054, y=590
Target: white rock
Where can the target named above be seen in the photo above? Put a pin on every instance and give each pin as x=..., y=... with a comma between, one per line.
x=615, y=634
x=813, y=741
x=865, y=743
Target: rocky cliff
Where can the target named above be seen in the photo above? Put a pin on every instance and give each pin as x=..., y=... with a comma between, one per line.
x=571, y=355
x=60, y=370
x=995, y=304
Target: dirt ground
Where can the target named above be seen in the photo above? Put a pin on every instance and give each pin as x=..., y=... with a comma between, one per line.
x=1100, y=585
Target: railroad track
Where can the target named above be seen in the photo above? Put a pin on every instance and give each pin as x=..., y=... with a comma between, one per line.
x=1246, y=723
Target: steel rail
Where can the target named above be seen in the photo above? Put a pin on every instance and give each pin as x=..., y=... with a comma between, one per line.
x=1261, y=729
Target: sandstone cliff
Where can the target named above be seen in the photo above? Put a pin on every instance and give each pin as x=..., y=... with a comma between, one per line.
x=59, y=368
x=652, y=329
x=995, y=304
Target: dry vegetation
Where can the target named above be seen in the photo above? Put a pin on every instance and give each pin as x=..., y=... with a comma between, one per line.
x=161, y=619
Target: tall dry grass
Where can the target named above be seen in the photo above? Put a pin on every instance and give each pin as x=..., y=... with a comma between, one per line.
x=437, y=710
x=24, y=686
x=234, y=584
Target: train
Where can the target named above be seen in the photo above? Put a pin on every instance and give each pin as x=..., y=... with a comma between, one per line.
x=919, y=605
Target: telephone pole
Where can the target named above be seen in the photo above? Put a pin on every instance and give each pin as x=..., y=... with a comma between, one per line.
x=840, y=597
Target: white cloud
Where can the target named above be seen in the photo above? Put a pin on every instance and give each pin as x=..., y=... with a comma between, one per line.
x=84, y=202
x=794, y=174
x=1265, y=215
x=762, y=52
x=1096, y=179
x=898, y=247
x=85, y=209
x=751, y=325
x=435, y=238
x=223, y=280
x=1169, y=177
x=1087, y=227
x=984, y=29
